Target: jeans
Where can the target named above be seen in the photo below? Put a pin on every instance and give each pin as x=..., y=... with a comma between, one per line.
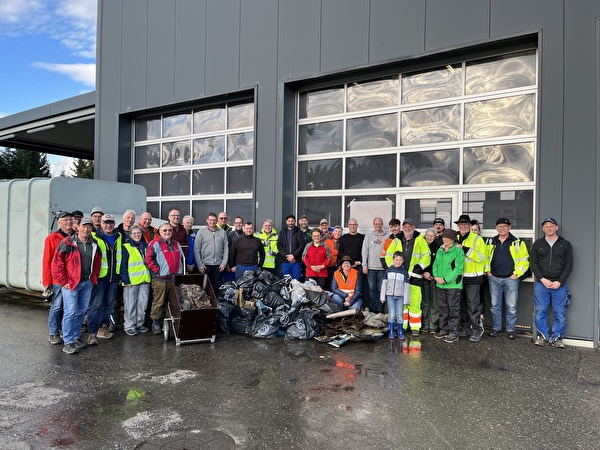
x=510, y=288
x=75, y=304
x=239, y=270
x=292, y=269
x=55, y=315
x=395, y=308
x=338, y=300
x=543, y=297
x=135, y=301
x=374, y=279
x=101, y=307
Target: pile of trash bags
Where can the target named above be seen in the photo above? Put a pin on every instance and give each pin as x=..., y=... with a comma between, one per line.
x=260, y=305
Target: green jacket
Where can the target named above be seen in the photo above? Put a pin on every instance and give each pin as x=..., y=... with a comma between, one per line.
x=449, y=265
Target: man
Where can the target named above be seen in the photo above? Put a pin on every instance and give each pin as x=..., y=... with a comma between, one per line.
x=96, y=216
x=77, y=216
x=146, y=224
x=372, y=268
x=179, y=233
x=551, y=263
x=268, y=237
x=417, y=257
x=351, y=245
x=211, y=251
x=325, y=230
x=65, y=221
x=188, y=224
x=75, y=268
x=290, y=244
x=508, y=260
x=475, y=256
x=303, y=225
x=439, y=225
x=223, y=218
x=110, y=246
x=126, y=224
x=247, y=252
x=236, y=232
x=164, y=259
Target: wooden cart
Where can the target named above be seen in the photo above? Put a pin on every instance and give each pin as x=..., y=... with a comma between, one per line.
x=192, y=325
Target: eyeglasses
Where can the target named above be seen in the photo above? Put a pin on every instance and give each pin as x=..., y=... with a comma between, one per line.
x=222, y=218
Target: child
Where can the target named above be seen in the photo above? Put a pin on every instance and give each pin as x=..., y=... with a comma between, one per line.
x=396, y=290
x=447, y=272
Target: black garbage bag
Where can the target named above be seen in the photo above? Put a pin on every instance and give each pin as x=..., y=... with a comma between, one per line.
x=289, y=314
x=259, y=290
x=273, y=300
x=227, y=312
x=265, y=325
x=321, y=301
x=247, y=280
x=243, y=322
x=305, y=326
x=227, y=292
x=267, y=278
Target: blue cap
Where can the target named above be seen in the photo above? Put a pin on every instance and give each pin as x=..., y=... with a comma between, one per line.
x=549, y=219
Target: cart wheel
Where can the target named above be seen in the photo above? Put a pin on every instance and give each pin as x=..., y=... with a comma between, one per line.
x=167, y=330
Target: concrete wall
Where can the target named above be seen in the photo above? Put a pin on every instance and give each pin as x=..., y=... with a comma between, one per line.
x=154, y=53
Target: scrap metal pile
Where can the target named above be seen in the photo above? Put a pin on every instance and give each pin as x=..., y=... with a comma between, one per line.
x=261, y=305
x=192, y=296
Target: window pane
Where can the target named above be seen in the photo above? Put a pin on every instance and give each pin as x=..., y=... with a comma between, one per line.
x=372, y=132
x=317, y=208
x=239, y=179
x=322, y=174
x=176, y=183
x=501, y=72
x=147, y=156
x=501, y=117
x=321, y=137
x=240, y=147
x=425, y=126
x=209, y=120
x=487, y=207
x=177, y=125
x=372, y=94
x=183, y=206
x=365, y=198
x=208, y=181
x=150, y=181
x=371, y=172
x=240, y=207
x=146, y=129
x=209, y=150
x=424, y=211
x=443, y=82
x=240, y=116
x=153, y=208
x=434, y=168
x=509, y=163
x=322, y=103
x=176, y=153
x=201, y=208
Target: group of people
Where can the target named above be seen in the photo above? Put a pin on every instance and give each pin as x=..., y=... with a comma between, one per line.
x=430, y=282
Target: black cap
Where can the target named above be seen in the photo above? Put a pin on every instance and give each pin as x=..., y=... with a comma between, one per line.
x=439, y=220
x=77, y=213
x=64, y=214
x=290, y=215
x=503, y=220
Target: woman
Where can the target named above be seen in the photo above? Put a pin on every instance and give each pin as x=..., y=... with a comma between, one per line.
x=333, y=243
x=135, y=277
x=316, y=258
x=347, y=285
x=429, y=304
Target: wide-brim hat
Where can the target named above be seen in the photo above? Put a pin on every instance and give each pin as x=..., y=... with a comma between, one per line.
x=345, y=258
x=464, y=218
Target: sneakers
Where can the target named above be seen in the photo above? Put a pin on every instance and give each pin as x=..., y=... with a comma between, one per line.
x=475, y=336
x=70, y=349
x=558, y=343
x=451, y=338
x=512, y=335
x=495, y=333
x=103, y=333
x=92, y=339
x=131, y=332
x=55, y=339
x=441, y=334
x=540, y=341
x=79, y=344
x=156, y=328
x=142, y=329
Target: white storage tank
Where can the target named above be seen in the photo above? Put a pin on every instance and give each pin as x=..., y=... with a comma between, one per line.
x=28, y=209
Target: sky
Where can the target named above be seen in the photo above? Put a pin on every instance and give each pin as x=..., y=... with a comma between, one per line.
x=48, y=53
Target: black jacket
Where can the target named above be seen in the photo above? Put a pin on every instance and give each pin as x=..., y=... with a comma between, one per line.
x=554, y=263
x=295, y=247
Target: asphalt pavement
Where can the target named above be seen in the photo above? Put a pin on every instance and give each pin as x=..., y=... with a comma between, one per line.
x=142, y=392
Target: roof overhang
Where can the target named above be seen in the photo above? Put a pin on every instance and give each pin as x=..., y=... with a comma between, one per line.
x=64, y=128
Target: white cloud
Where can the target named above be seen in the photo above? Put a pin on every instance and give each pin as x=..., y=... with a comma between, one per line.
x=82, y=73
x=14, y=14
x=60, y=163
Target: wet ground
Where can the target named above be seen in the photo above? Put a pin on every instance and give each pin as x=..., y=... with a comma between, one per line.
x=239, y=393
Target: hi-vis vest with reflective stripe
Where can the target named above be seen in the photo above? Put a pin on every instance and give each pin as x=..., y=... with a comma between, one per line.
x=270, y=244
x=117, y=255
x=475, y=258
x=421, y=254
x=348, y=284
x=136, y=266
x=518, y=252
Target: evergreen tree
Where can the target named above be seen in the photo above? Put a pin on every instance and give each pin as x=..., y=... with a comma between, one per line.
x=23, y=164
x=83, y=168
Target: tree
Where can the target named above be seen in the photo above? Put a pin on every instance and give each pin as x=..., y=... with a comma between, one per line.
x=83, y=168
x=23, y=164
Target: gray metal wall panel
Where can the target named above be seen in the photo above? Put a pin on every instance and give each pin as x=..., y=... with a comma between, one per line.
x=161, y=57
x=450, y=24
x=345, y=34
x=222, y=46
x=134, y=48
x=190, y=49
x=397, y=29
x=299, y=38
